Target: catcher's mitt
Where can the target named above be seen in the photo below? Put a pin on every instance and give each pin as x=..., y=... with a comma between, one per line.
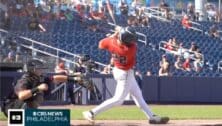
x=86, y=83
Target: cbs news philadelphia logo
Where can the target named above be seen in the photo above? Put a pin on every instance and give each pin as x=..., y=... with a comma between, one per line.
x=37, y=117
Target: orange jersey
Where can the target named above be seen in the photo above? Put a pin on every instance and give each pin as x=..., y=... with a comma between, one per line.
x=124, y=56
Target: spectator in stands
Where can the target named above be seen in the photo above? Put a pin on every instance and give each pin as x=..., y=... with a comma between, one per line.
x=186, y=65
x=198, y=54
x=178, y=64
x=211, y=12
x=123, y=7
x=193, y=47
x=174, y=44
x=68, y=15
x=164, y=7
x=198, y=65
x=55, y=10
x=132, y=21
x=18, y=57
x=10, y=58
x=164, y=67
x=98, y=14
x=83, y=11
x=192, y=50
x=183, y=52
x=186, y=22
x=34, y=25
x=92, y=26
x=134, y=8
x=62, y=15
x=148, y=73
x=191, y=11
x=169, y=45
x=213, y=31
x=60, y=68
x=198, y=62
x=142, y=19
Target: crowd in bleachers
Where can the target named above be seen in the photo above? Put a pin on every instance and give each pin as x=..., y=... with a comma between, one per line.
x=211, y=11
x=186, y=59
x=10, y=51
x=86, y=12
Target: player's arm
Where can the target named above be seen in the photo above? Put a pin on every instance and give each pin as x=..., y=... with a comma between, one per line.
x=104, y=43
x=67, y=78
x=23, y=93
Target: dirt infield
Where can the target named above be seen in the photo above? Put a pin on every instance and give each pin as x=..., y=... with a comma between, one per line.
x=140, y=123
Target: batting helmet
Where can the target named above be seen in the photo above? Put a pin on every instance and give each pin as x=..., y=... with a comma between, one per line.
x=127, y=35
x=35, y=64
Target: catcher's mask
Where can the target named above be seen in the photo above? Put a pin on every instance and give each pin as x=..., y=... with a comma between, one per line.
x=35, y=64
x=127, y=36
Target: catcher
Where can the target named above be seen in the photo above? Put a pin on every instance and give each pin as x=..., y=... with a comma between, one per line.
x=30, y=88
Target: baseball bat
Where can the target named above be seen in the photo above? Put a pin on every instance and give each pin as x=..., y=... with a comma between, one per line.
x=110, y=11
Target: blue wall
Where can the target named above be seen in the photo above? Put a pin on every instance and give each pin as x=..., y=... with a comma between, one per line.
x=182, y=89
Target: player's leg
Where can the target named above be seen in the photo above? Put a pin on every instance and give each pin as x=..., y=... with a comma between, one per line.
x=117, y=99
x=136, y=94
x=140, y=102
x=122, y=89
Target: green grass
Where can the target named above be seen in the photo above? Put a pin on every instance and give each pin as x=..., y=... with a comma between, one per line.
x=134, y=113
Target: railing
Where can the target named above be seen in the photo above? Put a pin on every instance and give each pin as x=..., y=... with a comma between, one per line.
x=141, y=37
x=195, y=26
x=32, y=46
x=60, y=89
x=178, y=53
x=219, y=67
x=156, y=13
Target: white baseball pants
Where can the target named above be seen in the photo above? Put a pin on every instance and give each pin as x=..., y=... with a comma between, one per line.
x=126, y=83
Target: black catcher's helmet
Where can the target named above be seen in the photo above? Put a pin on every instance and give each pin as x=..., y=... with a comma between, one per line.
x=127, y=35
x=35, y=64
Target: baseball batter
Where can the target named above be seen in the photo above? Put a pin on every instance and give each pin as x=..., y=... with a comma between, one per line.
x=122, y=46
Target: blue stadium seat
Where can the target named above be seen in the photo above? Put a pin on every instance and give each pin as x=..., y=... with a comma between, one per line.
x=74, y=37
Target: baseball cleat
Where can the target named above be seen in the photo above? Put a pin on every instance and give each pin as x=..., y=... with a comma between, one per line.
x=159, y=120
x=88, y=116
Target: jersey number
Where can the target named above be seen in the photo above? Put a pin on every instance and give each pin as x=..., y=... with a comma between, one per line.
x=120, y=59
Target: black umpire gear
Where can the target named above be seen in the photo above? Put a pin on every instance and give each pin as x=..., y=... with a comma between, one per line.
x=35, y=64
